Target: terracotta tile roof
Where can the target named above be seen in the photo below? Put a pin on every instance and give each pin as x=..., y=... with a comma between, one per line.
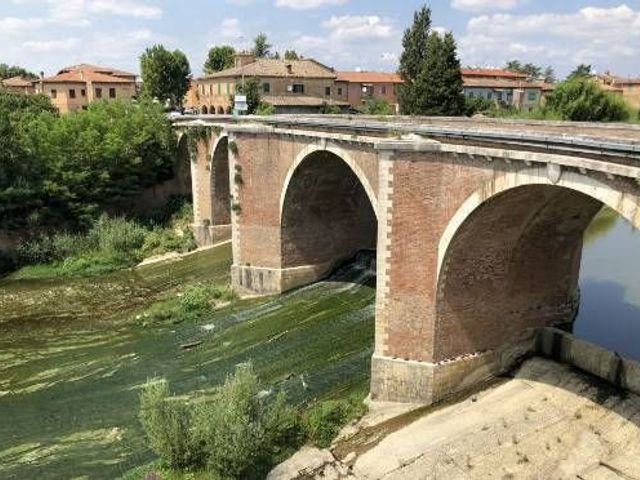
x=269, y=67
x=17, y=82
x=80, y=76
x=300, y=101
x=503, y=83
x=618, y=80
x=98, y=69
x=492, y=72
x=369, y=77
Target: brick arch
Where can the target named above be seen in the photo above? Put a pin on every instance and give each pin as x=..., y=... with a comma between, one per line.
x=338, y=152
x=626, y=206
x=219, y=178
x=509, y=259
x=328, y=210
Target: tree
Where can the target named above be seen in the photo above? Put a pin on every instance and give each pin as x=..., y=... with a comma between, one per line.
x=251, y=88
x=549, y=75
x=582, y=99
x=219, y=58
x=261, y=47
x=529, y=69
x=291, y=55
x=413, y=55
x=7, y=71
x=165, y=74
x=581, y=71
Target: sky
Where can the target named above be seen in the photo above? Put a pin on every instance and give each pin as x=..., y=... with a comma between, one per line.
x=46, y=35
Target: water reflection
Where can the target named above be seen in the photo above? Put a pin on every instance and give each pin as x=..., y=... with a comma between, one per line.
x=610, y=285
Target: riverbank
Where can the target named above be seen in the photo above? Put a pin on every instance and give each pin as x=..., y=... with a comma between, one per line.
x=550, y=421
x=75, y=352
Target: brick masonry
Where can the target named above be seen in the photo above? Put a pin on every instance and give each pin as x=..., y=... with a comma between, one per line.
x=475, y=248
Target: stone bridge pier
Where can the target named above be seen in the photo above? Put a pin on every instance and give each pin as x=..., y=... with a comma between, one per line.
x=478, y=239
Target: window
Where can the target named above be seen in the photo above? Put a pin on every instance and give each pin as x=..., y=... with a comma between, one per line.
x=298, y=88
x=112, y=93
x=499, y=96
x=383, y=90
x=83, y=93
x=266, y=87
x=54, y=94
x=72, y=93
x=471, y=95
x=98, y=93
x=339, y=90
x=327, y=91
x=532, y=96
x=489, y=95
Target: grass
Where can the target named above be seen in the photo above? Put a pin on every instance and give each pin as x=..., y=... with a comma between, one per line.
x=111, y=244
x=74, y=355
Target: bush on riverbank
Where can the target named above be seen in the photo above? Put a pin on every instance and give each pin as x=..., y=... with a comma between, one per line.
x=239, y=432
x=110, y=244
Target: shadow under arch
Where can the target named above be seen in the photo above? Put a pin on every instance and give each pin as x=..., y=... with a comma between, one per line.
x=509, y=260
x=219, y=178
x=328, y=211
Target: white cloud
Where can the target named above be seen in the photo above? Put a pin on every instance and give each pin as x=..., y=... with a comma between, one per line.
x=47, y=46
x=230, y=28
x=355, y=26
x=124, y=8
x=485, y=5
x=307, y=4
x=605, y=37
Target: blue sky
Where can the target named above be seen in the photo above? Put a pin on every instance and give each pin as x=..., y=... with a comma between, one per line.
x=347, y=34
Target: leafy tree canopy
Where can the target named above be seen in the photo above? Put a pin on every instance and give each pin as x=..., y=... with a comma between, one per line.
x=219, y=58
x=165, y=74
x=251, y=88
x=581, y=71
x=291, y=55
x=582, y=99
x=64, y=171
x=7, y=71
x=430, y=68
x=376, y=106
x=261, y=46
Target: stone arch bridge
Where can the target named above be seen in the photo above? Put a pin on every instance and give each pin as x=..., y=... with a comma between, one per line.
x=477, y=223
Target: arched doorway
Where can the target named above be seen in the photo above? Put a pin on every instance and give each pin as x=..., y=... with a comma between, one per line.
x=328, y=213
x=204, y=110
x=220, y=110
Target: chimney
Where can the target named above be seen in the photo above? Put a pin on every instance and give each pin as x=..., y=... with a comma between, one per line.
x=244, y=58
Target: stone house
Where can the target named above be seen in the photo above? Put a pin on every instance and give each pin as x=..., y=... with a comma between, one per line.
x=504, y=87
x=75, y=87
x=628, y=87
x=355, y=87
x=291, y=86
x=19, y=84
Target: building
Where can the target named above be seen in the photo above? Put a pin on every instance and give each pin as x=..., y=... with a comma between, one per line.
x=628, y=87
x=355, y=87
x=74, y=87
x=291, y=86
x=504, y=87
x=19, y=85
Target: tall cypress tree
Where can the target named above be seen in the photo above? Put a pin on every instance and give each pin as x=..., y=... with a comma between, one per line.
x=430, y=69
x=413, y=56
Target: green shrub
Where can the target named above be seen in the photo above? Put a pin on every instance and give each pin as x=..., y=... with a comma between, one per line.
x=582, y=99
x=474, y=105
x=168, y=425
x=324, y=421
x=238, y=432
x=202, y=296
x=376, y=106
x=265, y=108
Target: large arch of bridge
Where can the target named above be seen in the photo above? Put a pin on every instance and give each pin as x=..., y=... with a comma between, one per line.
x=328, y=209
x=509, y=258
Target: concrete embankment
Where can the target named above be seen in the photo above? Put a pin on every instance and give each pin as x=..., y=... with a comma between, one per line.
x=550, y=421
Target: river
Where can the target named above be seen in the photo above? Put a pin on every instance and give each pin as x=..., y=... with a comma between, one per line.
x=74, y=352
